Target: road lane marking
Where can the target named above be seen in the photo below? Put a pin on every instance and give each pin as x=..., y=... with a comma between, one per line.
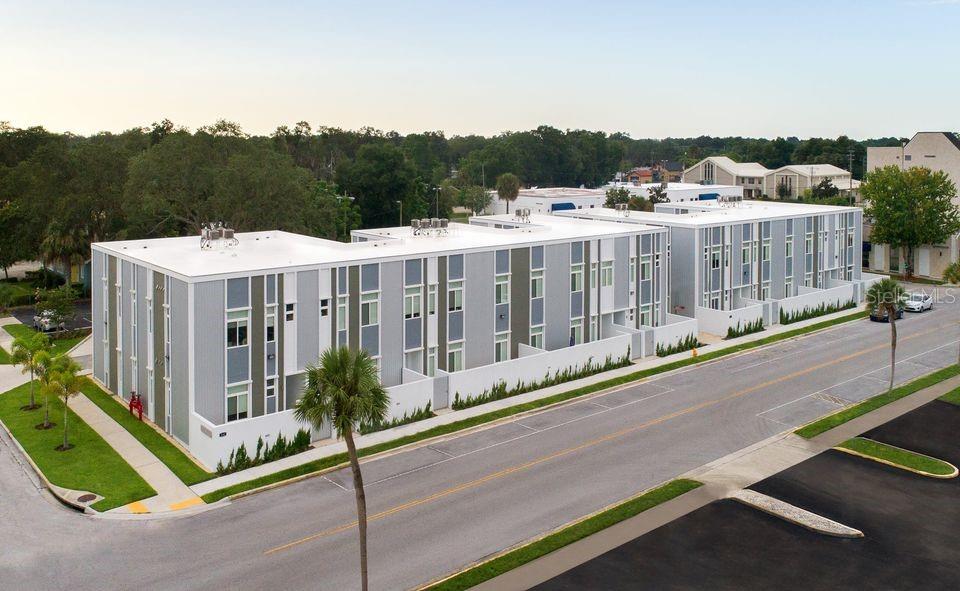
x=336, y=484
x=585, y=445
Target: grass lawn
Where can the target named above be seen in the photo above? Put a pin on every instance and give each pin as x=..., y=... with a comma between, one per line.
x=848, y=414
x=568, y=535
x=952, y=397
x=4, y=357
x=898, y=456
x=338, y=459
x=60, y=346
x=168, y=453
x=91, y=465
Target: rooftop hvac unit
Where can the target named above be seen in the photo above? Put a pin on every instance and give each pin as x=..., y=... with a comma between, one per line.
x=215, y=235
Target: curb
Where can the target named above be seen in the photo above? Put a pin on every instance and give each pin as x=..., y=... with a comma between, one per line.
x=901, y=466
x=53, y=488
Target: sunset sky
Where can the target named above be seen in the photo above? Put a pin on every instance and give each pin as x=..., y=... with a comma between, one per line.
x=651, y=69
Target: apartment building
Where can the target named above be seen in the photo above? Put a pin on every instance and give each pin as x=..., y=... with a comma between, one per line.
x=757, y=180
x=733, y=262
x=720, y=170
x=216, y=334
x=938, y=151
x=548, y=199
x=789, y=182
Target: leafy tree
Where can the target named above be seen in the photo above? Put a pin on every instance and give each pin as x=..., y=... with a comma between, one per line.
x=330, y=215
x=24, y=353
x=637, y=203
x=378, y=178
x=344, y=390
x=824, y=190
x=784, y=191
x=616, y=196
x=508, y=187
x=658, y=195
x=64, y=383
x=886, y=297
x=60, y=303
x=952, y=273
x=476, y=198
x=14, y=236
x=910, y=208
x=47, y=367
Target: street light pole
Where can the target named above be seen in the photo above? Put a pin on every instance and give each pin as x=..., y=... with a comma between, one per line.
x=400, y=203
x=438, y=200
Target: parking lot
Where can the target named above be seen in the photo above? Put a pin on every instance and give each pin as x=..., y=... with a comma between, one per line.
x=910, y=524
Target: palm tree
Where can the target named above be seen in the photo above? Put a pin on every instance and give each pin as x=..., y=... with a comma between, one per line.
x=344, y=390
x=508, y=187
x=65, y=382
x=47, y=368
x=24, y=353
x=885, y=297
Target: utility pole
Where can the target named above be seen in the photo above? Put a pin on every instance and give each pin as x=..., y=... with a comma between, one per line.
x=400, y=203
x=438, y=200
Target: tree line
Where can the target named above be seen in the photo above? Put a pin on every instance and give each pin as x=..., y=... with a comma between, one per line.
x=59, y=191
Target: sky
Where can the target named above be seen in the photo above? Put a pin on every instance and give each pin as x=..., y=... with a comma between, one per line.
x=650, y=69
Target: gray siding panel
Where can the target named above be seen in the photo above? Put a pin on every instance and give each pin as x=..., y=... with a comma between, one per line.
x=238, y=292
x=621, y=271
x=210, y=341
x=479, y=307
x=180, y=329
x=392, y=322
x=143, y=335
x=96, y=309
x=126, y=330
x=370, y=277
x=257, y=342
x=520, y=302
x=308, y=321
x=413, y=274
x=557, y=294
x=112, y=328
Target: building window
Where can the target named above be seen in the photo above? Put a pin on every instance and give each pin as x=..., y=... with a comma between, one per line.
x=536, y=284
x=809, y=244
x=536, y=337
x=788, y=248
x=455, y=357
x=576, y=277
x=342, y=305
x=501, y=346
x=715, y=258
x=237, y=402
x=432, y=300
x=645, y=269
x=289, y=312
x=369, y=309
x=502, y=289
x=271, y=395
x=576, y=331
x=324, y=308
x=271, y=324
x=765, y=291
x=765, y=253
x=455, y=296
x=606, y=273
x=237, y=328
x=633, y=270
x=646, y=315
x=412, y=302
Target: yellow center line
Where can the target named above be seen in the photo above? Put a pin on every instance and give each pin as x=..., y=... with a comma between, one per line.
x=587, y=444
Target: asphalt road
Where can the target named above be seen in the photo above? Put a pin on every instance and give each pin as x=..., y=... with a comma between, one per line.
x=909, y=521
x=437, y=508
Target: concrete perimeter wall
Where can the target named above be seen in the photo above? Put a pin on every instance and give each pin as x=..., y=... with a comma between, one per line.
x=718, y=321
x=809, y=297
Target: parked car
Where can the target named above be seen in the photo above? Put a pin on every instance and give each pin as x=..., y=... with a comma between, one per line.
x=880, y=315
x=918, y=302
x=44, y=321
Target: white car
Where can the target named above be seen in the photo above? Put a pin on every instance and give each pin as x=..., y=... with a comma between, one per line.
x=44, y=322
x=918, y=302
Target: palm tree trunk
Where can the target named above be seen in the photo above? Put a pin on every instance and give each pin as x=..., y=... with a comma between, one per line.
x=361, y=505
x=46, y=411
x=33, y=400
x=892, y=315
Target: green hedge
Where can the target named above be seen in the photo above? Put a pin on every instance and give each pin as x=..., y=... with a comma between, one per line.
x=687, y=343
x=748, y=328
x=417, y=414
x=807, y=313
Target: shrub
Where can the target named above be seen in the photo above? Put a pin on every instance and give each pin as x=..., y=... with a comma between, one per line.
x=748, y=328
x=952, y=273
x=686, y=343
x=808, y=312
x=240, y=459
x=45, y=278
x=417, y=415
x=500, y=391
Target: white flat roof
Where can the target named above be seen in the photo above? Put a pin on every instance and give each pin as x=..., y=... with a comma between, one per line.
x=560, y=192
x=277, y=250
x=710, y=213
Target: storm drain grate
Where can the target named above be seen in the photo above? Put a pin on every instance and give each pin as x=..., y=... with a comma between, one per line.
x=86, y=498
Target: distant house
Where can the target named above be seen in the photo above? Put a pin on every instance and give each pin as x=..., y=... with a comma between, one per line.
x=639, y=175
x=721, y=170
x=938, y=151
x=667, y=171
x=797, y=178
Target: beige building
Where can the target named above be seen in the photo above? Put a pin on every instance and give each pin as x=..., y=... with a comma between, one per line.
x=797, y=178
x=938, y=151
x=720, y=170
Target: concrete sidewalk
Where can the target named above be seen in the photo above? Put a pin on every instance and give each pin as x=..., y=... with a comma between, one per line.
x=172, y=494
x=10, y=375
x=721, y=478
x=327, y=448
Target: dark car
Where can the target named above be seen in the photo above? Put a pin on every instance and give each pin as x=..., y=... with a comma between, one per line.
x=880, y=315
